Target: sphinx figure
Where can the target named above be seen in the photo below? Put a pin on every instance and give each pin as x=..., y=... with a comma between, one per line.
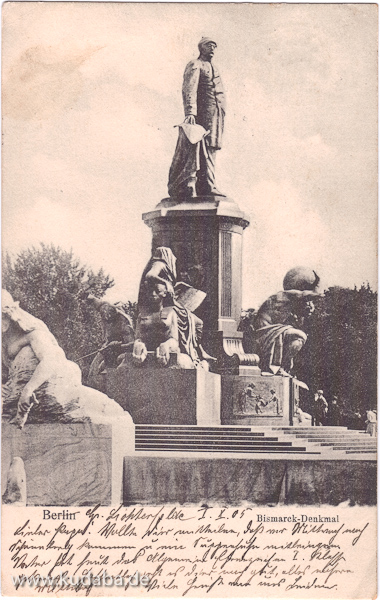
x=277, y=335
x=165, y=323
x=118, y=337
x=41, y=385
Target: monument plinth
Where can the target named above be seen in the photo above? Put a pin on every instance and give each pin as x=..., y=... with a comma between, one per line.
x=206, y=234
x=166, y=395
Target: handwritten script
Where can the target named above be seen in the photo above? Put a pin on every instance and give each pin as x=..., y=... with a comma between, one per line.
x=189, y=551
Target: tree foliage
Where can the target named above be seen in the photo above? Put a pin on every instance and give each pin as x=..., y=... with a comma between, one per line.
x=340, y=355
x=52, y=285
x=131, y=309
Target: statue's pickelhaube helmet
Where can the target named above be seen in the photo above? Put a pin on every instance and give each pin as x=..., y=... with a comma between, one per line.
x=204, y=41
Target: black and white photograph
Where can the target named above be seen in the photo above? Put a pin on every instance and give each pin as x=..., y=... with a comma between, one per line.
x=189, y=302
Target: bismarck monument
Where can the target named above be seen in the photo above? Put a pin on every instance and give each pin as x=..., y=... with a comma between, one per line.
x=174, y=390
x=193, y=283
x=223, y=430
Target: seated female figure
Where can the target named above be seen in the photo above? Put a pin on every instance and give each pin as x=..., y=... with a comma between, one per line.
x=157, y=327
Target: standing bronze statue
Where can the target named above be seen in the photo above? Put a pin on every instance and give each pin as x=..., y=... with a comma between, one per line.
x=192, y=172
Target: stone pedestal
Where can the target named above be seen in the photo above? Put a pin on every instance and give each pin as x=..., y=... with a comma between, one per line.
x=76, y=464
x=166, y=396
x=260, y=400
x=205, y=234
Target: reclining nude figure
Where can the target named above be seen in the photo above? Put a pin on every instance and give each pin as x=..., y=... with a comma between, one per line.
x=42, y=385
x=278, y=336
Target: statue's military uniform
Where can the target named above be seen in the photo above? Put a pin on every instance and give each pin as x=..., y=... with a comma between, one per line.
x=203, y=97
x=192, y=172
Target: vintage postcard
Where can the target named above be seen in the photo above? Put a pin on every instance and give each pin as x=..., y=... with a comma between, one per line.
x=189, y=304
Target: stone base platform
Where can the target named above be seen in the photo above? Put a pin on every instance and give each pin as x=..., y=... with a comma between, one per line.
x=86, y=464
x=166, y=396
x=224, y=479
x=77, y=464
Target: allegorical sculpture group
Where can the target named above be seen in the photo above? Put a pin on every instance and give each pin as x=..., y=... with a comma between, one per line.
x=165, y=325
x=42, y=386
x=277, y=335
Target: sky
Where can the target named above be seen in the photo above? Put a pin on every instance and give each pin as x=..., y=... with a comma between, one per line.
x=91, y=94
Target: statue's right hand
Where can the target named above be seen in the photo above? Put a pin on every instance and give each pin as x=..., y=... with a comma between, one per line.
x=139, y=352
x=190, y=120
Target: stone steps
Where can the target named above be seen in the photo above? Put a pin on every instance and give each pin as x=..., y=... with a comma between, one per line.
x=326, y=443
x=359, y=451
x=334, y=440
x=296, y=428
x=324, y=435
x=227, y=449
x=214, y=439
x=351, y=447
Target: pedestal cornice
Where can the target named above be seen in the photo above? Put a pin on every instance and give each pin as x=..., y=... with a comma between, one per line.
x=200, y=206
